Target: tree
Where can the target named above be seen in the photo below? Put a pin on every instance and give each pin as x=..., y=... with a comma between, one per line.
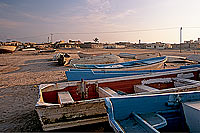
x=96, y=39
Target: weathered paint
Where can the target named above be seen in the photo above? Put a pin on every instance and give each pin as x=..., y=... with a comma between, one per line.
x=120, y=108
x=90, y=107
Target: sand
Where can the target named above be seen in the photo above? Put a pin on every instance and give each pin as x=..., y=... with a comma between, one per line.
x=22, y=72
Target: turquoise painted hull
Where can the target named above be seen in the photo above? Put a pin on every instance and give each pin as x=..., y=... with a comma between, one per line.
x=129, y=113
x=89, y=74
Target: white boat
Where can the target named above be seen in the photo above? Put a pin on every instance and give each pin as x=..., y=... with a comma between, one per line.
x=7, y=49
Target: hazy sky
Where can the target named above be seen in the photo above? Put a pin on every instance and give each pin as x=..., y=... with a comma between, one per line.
x=87, y=19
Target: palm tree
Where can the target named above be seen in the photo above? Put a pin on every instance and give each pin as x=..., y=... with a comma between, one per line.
x=96, y=39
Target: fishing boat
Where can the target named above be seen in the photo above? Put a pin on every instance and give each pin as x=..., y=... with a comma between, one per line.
x=89, y=74
x=7, y=49
x=102, y=59
x=169, y=112
x=177, y=59
x=142, y=56
x=47, y=50
x=28, y=49
x=127, y=55
x=137, y=65
x=76, y=103
x=83, y=55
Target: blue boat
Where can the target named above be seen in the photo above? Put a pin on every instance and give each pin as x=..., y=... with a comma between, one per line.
x=89, y=74
x=171, y=112
x=131, y=64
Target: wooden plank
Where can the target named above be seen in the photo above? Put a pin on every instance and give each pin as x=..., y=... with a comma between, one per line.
x=107, y=92
x=144, y=88
x=65, y=98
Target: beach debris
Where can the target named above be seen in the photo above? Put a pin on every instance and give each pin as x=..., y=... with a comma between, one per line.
x=62, y=58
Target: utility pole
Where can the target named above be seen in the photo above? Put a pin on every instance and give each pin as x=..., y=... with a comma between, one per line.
x=48, y=40
x=180, y=38
x=51, y=37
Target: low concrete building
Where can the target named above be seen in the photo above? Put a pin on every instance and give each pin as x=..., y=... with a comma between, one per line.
x=114, y=46
x=187, y=45
x=70, y=44
x=42, y=45
x=91, y=45
x=158, y=45
x=74, y=42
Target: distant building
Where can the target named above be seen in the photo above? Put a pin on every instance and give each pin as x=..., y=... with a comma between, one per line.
x=74, y=42
x=158, y=45
x=91, y=45
x=122, y=44
x=70, y=44
x=13, y=43
x=42, y=45
x=140, y=45
x=188, y=45
x=59, y=44
x=115, y=46
x=109, y=46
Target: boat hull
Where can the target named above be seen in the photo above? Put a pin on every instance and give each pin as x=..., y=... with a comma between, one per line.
x=84, y=55
x=7, y=49
x=122, y=115
x=76, y=114
x=88, y=107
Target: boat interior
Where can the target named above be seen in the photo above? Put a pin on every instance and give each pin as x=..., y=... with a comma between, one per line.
x=159, y=113
x=79, y=91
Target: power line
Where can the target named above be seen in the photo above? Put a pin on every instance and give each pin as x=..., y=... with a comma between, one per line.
x=191, y=27
x=111, y=32
x=102, y=32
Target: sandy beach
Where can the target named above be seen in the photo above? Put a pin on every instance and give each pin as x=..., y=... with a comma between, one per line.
x=20, y=74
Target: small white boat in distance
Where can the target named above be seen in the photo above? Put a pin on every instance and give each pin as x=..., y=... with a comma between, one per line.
x=7, y=49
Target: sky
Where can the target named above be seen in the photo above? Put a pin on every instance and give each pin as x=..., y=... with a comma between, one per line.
x=109, y=20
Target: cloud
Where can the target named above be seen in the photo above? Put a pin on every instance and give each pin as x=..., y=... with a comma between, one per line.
x=124, y=14
x=4, y=5
x=95, y=13
x=99, y=17
x=98, y=6
x=36, y=17
x=6, y=23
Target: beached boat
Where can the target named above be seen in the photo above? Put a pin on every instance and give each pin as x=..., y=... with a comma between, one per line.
x=177, y=59
x=138, y=65
x=7, y=49
x=70, y=104
x=62, y=58
x=89, y=74
x=143, y=56
x=102, y=59
x=28, y=49
x=127, y=55
x=171, y=112
x=83, y=55
x=47, y=51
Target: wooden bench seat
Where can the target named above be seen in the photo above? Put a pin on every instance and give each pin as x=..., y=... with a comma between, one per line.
x=64, y=98
x=107, y=92
x=144, y=88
